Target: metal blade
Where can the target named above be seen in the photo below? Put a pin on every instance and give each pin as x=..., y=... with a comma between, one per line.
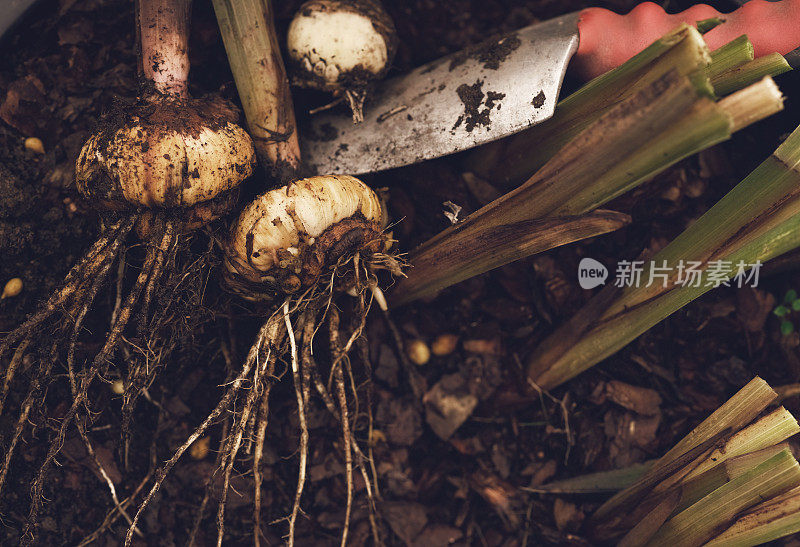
x=469, y=98
x=11, y=12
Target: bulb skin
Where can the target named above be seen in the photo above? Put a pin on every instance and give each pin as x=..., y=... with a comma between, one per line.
x=286, y=238
x=337, y=45
x=165, y=153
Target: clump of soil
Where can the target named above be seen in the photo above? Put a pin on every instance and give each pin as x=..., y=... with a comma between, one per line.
x=491, y=53
x=473, y=98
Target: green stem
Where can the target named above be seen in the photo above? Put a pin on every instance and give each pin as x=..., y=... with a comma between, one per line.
x=734, y=415
x=742, y=76
x=756, y=221
x=768, y=521
x=733, y=54
x=698, y=523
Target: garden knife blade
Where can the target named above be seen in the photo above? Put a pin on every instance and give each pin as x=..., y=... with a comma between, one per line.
x=508, y=84
x=11, y=12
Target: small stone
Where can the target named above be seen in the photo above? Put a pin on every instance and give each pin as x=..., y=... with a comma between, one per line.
x=12, y=288
x=34, y=145
x=418, y=351
x=445, y=344
x=199, y=449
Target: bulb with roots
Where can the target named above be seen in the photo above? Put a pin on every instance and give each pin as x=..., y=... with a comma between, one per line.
x=294, y=248
x=162, y=168
x=341, y=46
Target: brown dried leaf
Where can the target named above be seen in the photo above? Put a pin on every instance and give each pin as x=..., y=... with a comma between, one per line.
x=406, y=519
x=438, y=535
x=567, y=516
x=641, y=400
x=753, y=307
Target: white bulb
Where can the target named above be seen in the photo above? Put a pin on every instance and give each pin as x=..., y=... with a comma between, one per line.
x=336, y=42
x=341, y=46
x=160, y=162
x=277, y=233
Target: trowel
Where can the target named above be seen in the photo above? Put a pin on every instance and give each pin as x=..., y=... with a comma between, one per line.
x=510, y=83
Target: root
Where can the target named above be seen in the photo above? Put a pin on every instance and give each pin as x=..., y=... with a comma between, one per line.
x=371, y=484
x=209, y=485
x=139, y=375
x=103, y=473
x=79, y=399
x=263, y=415
x=268, y=333
x=85, y=269
x=73, y=299
x=165, y=249
x=101, y=256
x=301, y=410
x=355, y=98
x=34, y=391
x=235, y=440
x=114, y=514
x=11, y=371
x=91, y=295
x=371, y=496
x=338, y=374
x=347, y=451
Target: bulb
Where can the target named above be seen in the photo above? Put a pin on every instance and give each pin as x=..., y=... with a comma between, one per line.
x=165, y=153
x=287, y=237
x=341, y=46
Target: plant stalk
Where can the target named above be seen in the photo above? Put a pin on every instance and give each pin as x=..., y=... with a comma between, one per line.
x=732, y=416
x=756, y=221
x=744, y=75
x=164, y=42
x=661, y=124
x=768, y=521
x=248, y=31
x=444, y=265
x=730, y=56
x=698, y=523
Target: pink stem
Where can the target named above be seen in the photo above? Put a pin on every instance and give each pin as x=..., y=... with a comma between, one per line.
x=164, y=28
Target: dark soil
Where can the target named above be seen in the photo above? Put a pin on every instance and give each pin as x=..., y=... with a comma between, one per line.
x=441, y=483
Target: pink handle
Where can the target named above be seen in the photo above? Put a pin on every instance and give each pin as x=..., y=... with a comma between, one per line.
x=607, y=40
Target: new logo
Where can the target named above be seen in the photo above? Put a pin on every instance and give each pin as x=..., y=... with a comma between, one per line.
x=591, y=273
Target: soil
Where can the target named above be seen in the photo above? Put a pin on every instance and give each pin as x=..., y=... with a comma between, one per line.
x=449, y=473
x=491, y=53
x=473, y=98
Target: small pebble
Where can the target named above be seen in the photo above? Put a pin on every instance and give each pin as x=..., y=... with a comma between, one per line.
x=199, y=450
x=418, y=351
x=118, y=387
x=445, y=344
x=13, y=288
x=34, y=145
